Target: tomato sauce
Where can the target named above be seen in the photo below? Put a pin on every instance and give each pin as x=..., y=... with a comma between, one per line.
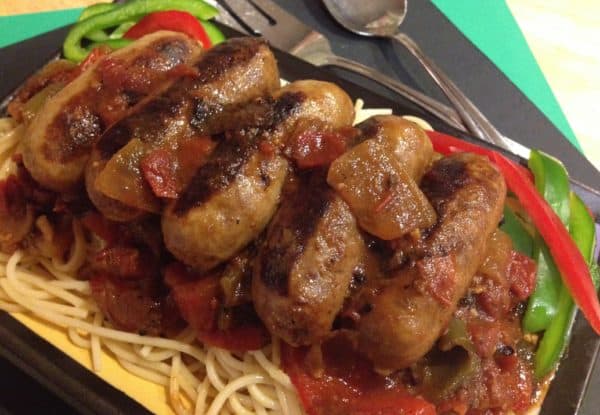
x=348, y=385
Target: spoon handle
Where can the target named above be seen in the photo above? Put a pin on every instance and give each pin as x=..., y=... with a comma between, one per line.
x=438, y=109
x=474, y=120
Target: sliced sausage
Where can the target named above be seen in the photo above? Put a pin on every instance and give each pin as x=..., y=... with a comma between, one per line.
x=54, y=76
x=57, y=144
x=233, y=196
x=405, y=314
x=227, y=75
x=303, y=271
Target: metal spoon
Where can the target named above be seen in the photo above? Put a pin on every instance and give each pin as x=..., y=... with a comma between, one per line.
x=382, y=18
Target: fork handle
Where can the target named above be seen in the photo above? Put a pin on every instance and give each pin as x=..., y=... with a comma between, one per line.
x=475, y=121
x=438, y=109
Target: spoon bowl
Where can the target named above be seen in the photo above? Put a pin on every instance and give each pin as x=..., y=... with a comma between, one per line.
x=382, y=18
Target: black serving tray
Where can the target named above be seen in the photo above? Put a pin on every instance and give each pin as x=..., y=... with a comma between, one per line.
x=84, y=392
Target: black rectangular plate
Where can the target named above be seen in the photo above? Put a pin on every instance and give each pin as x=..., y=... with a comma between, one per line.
x=87, y=393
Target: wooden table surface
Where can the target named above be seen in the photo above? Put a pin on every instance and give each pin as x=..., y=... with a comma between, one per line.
x=564, y=37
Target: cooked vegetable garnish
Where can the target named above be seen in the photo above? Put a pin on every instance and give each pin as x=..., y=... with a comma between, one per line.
x=569, y=260
x=109, y=43
x=170, y=20
x=197, y=194
x=556, y=336
x=213, y=32
x=522, y=240
x=348, y=384
x=95, y=9
x=127, y=12
x=96, y=35
x=552, y=182
x=447, y=144
x=451, y=365
x=121, y=29
x=541, y=308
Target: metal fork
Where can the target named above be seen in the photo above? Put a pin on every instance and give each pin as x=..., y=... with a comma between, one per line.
x=286, y=32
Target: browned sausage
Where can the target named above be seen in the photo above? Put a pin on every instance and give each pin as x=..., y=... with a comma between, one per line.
x=409, y=311
x=52, y=77
x=57, y=144
x=227, y=75
x=231, y=199
x=303, y=271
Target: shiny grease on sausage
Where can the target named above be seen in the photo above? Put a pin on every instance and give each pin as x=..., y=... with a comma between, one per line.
x=193, y=108
x=303, y=271
x=405, y=314
x=313, y=247
x=231, y=199
x=57, y=144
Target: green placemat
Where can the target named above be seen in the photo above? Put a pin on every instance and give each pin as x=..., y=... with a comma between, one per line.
x=14, y=29
x=490, y=25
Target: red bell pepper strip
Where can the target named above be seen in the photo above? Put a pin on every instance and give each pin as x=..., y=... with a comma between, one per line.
x=348, y=384
x=446, y=144
x=571, y=264
x=198, y=300
x=174, y=20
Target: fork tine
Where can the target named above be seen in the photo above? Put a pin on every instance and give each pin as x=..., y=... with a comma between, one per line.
x=271, y=9
x=263, y=12
x=246, y=15
x=229, y=19
x=281, y=28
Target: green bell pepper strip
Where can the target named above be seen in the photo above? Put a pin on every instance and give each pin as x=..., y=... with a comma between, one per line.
x=574, y=270
x=116, y=40
x=121, y=29
x=522, y=240
x=573, y=267
x=213, y=32
x=111, y=43
x=94, y=9
x=542, y=305
x=450, y=365
x=72, y=48
x=552, y=182
x=556, y=336
x=97, y=36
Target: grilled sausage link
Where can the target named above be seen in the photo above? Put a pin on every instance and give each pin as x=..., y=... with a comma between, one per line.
x=227, y=75
x=232, y=197
x=58, y=142
x=409, y=311
x=303, y=271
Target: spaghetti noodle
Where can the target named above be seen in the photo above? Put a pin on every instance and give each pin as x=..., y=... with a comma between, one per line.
x=198, y=379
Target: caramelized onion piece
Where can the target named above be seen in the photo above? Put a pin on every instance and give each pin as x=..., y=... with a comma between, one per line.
x=116, y=182
x=386, y=201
